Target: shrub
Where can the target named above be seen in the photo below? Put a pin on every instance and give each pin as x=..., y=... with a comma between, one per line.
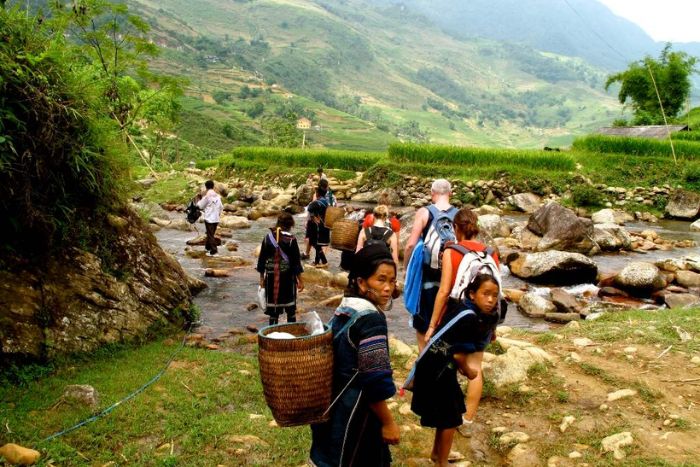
x=637, y=146
x=586, y=195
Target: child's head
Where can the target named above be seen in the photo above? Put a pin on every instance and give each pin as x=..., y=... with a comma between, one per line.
x=209, y=184
x=372, y=275
x=320, y=192
x=466, y=224
x=319, y=170
x=285, y=221
x=323, y=183
x=484, y=293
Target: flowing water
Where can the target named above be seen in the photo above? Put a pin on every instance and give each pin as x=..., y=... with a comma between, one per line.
x=224, y=303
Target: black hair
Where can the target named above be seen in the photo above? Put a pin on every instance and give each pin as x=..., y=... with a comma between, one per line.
x=323, y=183
x=320, y=192
x=285, y=221
x=209, y=184
x=320, y=169
x=365, y=264
x=478, y=281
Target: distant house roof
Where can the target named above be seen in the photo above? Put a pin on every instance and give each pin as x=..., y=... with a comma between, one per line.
x=649, y=131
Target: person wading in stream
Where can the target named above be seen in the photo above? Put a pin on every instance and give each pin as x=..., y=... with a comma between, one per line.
x=279, y=265
x=212, y=207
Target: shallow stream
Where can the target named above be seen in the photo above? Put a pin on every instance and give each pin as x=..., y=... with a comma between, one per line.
x=224, y=303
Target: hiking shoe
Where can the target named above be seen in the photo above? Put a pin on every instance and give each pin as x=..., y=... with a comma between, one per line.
x=466, y=428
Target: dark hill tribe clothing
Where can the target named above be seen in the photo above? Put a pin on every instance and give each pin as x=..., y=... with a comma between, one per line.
x=362, y=376
x=437, y=397
x=281, y=272
x=321, y=237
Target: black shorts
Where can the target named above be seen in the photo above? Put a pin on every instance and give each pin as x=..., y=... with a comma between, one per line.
x=311, y=232
x=421, y=320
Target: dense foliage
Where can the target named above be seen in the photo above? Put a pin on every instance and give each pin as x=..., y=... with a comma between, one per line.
x=669, y=76
x=638, y=146
x=58, y=155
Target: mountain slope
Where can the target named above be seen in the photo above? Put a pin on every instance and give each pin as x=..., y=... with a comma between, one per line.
x=383, y=66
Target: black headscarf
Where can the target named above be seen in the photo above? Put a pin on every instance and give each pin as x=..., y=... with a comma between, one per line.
x=366, y=260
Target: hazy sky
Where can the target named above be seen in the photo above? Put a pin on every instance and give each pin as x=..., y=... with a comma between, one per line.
x=663, y=20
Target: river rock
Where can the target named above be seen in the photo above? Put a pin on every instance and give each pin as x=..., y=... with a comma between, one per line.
x=640, y=278
x=390, y=195
x=535, y=306
x=556, y=267
x=561, y=229
x=611, y=237
x=304, y=194
x=683, y=204
x=234, y=222
x=562, y=317
x=523, y=455
x=525, y=237
x=525, y=202
x=486, y=210
x=366, y=197
x=493, y=225
x=688, y=278
x=681, y=300
x=513, y=295
x=209, y=272
x=695, y=226
x=611, y=216
x=19, y=455
x=616, y=442
x=81, y=394
x=565, y=302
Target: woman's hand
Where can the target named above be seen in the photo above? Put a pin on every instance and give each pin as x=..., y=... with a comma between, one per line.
x=391, y=433
x=300, y=285
x=428, y=334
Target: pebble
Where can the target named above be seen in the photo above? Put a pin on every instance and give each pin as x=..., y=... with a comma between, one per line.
x=575, y=455
x=667, y=422
x=622, y=393
x=566, y=423
x=392, y=405
x=583, y=342
x=273, y=424
x=575, y=357
x=244, y=372
x=255, y=416
x=514, y=437
x=630, y=350
x=499, y=429
x=615, y=443
x=695, y=360
x=16, y=454
x=405, y=409
x=603, y=407
x=573, y=325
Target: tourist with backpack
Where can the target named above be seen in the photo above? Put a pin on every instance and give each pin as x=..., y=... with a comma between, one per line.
x=379, y=233
x=280, y=268
x=361, y=426
x=432, y=228
x=212, y=207
x=466, y=312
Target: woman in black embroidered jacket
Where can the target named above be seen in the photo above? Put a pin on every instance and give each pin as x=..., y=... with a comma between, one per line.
x=279, y=265
x=361, y=426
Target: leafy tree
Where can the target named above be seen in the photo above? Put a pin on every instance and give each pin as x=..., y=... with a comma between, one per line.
x=282, y=131
x=671, y=72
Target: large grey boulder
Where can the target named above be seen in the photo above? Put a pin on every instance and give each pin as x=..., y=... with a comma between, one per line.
x=640, y=278
x=683, y=204
x=688, y=279
x=611, y=237
x=366, y=197
x=525, y=202
x=493, y=226
x=234, y=222
x=681, y=300
x=554, y=267
x=561, y=229
x=565, y=302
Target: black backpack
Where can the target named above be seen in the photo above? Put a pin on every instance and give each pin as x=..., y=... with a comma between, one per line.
x=378, y=236
x=192, y=212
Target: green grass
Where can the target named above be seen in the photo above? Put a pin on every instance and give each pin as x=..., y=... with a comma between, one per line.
x=687, y=150
x=328, y=159
x=482, y=157
x=172, y=189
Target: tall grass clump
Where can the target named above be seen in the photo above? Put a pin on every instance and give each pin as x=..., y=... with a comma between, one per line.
x=326, y=158
x=637, y=146
x=59, y=165
x=480, y=157
x=686, y=136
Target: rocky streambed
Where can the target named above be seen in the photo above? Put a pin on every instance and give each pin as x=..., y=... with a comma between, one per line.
x=548, y=278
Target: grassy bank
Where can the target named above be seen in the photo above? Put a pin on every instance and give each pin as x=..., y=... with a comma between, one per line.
x=208, y=408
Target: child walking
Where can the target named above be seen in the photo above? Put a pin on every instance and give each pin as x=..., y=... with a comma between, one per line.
x=458, y=346
x=279, y=265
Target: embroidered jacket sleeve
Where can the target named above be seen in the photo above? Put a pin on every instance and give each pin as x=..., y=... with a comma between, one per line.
x=374, y=367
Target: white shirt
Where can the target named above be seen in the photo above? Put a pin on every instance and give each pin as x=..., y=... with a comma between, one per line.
x=212, y=206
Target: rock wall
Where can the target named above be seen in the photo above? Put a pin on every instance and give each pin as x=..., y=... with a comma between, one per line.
x=71, y=304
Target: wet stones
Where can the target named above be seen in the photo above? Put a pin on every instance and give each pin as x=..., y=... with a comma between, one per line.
x=555, y=267
x=683, y=204
x=561, y=229
x=640, y=278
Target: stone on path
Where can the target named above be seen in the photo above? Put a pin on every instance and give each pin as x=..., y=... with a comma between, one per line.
x=514, y=437
x=19, y=455
x=616, y=442
x=583, y=342
x=535, y=306
x=566, y=423
x=621, y=394
x=523, y=455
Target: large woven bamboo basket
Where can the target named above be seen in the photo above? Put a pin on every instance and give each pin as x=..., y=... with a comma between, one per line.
x=344, y=234
x=333, y=213
x=296, y=374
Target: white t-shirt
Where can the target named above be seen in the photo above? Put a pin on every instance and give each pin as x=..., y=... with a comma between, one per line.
x=212, y=206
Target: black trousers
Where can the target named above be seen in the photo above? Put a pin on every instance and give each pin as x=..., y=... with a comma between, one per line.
x=211, y=239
